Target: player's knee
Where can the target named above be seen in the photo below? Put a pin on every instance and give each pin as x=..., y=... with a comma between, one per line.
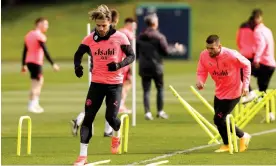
x=218, y=120
x=85, y=134
x=88, y=119
x=113, y=121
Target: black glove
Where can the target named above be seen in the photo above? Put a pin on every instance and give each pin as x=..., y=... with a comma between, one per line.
x=113, y=66
x=78, y=71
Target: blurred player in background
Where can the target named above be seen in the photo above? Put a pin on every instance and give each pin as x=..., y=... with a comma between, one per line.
x=246, y=45
x=32, y=60
x=264, y=59
x=151, y=46
x=78, y=121
x=128, y=30
x=108, y=48
x=224, y=64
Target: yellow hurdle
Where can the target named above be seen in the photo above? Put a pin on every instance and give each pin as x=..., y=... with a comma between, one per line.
x=230, y=123
x=123, y=134
x=197, y=116
x=19, y=133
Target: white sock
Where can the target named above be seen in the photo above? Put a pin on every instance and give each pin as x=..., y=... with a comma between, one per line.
x=36, y=100
x=108, y=128
x=83, y=149
x=246, y=135
x=80, y=118
x=31, y=103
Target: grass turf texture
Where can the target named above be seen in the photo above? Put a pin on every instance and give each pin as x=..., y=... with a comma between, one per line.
x=52, y=142
x=63, y=95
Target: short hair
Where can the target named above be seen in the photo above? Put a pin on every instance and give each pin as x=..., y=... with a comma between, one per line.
x=212, y=38
x=129, y=20
x=149, y=19
x=39, y=19
x=256, y=13
x=101, y=12
x=114, y=16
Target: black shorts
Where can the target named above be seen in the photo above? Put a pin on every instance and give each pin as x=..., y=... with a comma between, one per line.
x=96, y=94
x=35, y=70
x=225, y=106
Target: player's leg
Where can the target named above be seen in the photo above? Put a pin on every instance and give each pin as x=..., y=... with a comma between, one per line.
x=93, y=103
x=36, y=84
x=125, y=90
x=76, y=123
x=159, y=84
x=113, y=98
x=222, y=109
x=263, y=81
x=146, y=84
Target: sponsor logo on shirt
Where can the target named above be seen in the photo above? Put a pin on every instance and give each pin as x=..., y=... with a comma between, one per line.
x=220, y=73
x=105, y=53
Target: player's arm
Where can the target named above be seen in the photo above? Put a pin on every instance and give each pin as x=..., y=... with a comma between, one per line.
x=24, y=54
x=202, y=74
x=169, y=50
x=82, y=49
x=130, y=56
x=246, y=69
x=46, y=52
x=164, y=45
x=260, y=46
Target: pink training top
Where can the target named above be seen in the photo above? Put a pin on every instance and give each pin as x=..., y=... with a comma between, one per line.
x=35, y=52
x=225, y=71
x=104, y=52
x=245, y=42
x=264, y=46
x=128, y=33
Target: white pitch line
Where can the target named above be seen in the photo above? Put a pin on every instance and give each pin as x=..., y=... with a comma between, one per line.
x=98, y=162
x=193, y=149
x=158, y=163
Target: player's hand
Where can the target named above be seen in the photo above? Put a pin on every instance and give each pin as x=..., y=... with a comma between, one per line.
x=256, y=65
x=56, y=67
x=113, y=66
x=24, y=69
x=179, y=47
x=199, y=85
x=78, y=71
x=245, y=91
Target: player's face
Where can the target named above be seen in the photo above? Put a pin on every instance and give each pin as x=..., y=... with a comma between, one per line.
x=43, y=26
x=102, y=26
x=213, y=49
x=259, y=20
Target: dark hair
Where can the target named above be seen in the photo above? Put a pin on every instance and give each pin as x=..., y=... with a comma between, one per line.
x=212, y=38
x=150, y=18
x=114, y=15
x=251, y=22
x=256, y=13
x=39, y=19
x=129, y=20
